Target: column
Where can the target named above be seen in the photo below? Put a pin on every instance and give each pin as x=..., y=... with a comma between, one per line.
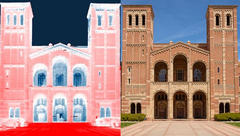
x=190, y=107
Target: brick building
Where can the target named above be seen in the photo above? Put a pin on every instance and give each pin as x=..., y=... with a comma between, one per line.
x=180, y=80
x=60, y=83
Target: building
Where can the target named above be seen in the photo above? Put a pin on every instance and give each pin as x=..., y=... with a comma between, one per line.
x=60, y=83
x=180, y=80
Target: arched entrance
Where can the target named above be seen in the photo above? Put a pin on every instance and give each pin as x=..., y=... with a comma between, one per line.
x=79, y=108
x=59, y=108
x=221, y=108
x=180, y=105
x=132, y=108
x=160, y=105
x=180, y=68
x=199, y=105
x=40, y=108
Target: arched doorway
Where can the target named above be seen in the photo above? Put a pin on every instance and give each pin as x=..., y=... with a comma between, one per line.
x=199, y=105
x=40, y=108
x=160, y=105
x=221, y=108
x=79, y=108
x=59, y=108
x=227, y=107
x=132, y=108
x=180, y=105
x=139, y=108
x=180, y=68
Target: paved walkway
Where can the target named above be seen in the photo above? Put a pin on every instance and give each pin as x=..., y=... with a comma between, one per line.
x=180, y=128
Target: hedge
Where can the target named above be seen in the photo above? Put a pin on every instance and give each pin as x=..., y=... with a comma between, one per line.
x=132, y=117
x=227, y=117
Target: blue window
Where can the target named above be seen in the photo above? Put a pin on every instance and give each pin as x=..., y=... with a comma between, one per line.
x=79, y=77
x=110, y=20
x=14, y=19
x=99, y=73
x=102, y=112
x=8, y=19
x=39, y=78
x=108, y=112
x=99, y=20
x=17, y=113
x=40, y=110
x=11, y=112
x=60, y=74
x=21, y=19
x=79, y=110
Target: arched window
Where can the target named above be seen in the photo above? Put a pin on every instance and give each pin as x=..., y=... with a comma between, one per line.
x=133, y=108
x=136, y=19
x=218, y=69
x=160, y=72
x=102, y=112
x=180, y=68
x=228, y=19
x=197, y=76
x=199, y=72
x=14, y=19
x=217, y=20
x=139, y=108
x=11, y=112
x=129, y=81
x=130, y=20
x=79, y=77
x=21, y=19
x=99, y=73
x=110, y=20
x=162, y=75
x=17, y=113
x=218, y=81
x=59, y=74
x=8, y=19
x=221, y=108
x=99, y=20
x=108, y=112
x=129, y=69
x=40, y=78
x=143, y=20
x=227, y=108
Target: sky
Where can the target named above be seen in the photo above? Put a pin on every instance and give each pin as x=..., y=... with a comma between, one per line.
x=63, y=21
x=182, y=20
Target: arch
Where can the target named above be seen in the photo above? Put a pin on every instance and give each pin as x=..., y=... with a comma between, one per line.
x=217, y=19
x=228, y=19
x=7, y=19
x=59, y=71
x=227, y=107
x=21, y=19
x=136, y=20
x=14, y=19
x=132, y=108
x=221, y=108
x=11, y=112
x=79, y=75
x=143, y=20
x=39, y=108
x=79, y=108
x=129, y=20
x=139, y=108
x=160, y=105
x=59, y=108
x=102, y=112
x=199, y=72
x=180, y=104
x=40, y=78
x=180, y=68
x=17, y=112
x=160, y=72
x=199, y=105
x=108, y=112
x=129, y=69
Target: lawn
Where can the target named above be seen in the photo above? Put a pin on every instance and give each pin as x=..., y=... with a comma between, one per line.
x=126, y=124
x=235, y=124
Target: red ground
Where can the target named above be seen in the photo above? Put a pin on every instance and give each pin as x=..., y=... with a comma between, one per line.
x=61, y=129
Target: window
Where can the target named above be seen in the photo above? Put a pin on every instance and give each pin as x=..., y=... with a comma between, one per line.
x=197, y=75
x=14, y=19
x=41, y=79
x=218, y=81
x=162, y=75
x=60, y=73
x=129, y=69
x=99, y=86
x=130, y=20
x=108, y=112
x=133, y=108
x=217, y=20
x=59, y=80
x=79, y=76
x=180, y=74
x=227, y=108
x=142, y=51
x=139, y=108
x=110, y=20
x=77, y=79
x=102, y=112
x=8, y=19
x=218, y=69
x=11, y=112
x=99, y=73
x=143, y=20
x=129, y=81
x=21, y=19
x=136, y=17
x=221, y=108
x=17, y=113
x=228, y=19
x=99, y=20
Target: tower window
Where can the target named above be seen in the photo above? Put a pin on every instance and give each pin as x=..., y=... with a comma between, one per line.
x=228, y=20
x=129, y=69
x=14, y=19
x=130, y=20
x=217, y=20
x=136, y=17
x=99, y=20
x=218, y=81
x=21, y=19
x=218, y=69
x=110, y=20
x=8, y=19
x=129, y=81
x=99, y=73
x=143, y=20
x=142, y=51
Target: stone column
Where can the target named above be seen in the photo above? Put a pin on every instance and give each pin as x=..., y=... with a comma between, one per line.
x=170, y=104
x=190, y=107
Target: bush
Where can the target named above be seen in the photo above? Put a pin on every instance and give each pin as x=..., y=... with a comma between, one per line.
x=132, y=117
x=227, y=117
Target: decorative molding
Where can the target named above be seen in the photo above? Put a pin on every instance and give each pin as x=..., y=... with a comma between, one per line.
x=14, y=66
x=14, y=47
x=135, y=62
x=136, y=45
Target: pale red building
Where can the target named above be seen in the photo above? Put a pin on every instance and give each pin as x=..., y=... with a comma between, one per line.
x=59, y=82
x=180, y=80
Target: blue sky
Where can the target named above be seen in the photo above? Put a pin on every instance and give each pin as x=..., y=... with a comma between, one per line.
x=182, y=20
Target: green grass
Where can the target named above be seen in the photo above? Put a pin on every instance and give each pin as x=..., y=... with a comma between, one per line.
x=235, y=124
x=126, y=124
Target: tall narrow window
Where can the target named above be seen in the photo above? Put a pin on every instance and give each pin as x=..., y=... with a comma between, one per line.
x=129, y=81
x=8, y=19
x=11, y=112
x=41, y=79
x=59, y=80
x=221, y=108
x=99, y=20
x=218, y=69
x=180, y=75
x=218, y=81
x=21, y=19
x=77, y=79
x=129, y=69
x=17, y=113
x=110, y=20
x=136, y=17
x=108, y=112
x=142, y=51
x=227, y=108
x=130, y=20
x=99, y=73
x=143, y=20
x=217, y=20
x=102, y=112
x=228, y=19
x=14, y=19
x=133, y=108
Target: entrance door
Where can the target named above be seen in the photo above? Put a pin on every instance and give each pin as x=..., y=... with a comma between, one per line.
x=197, y=112
x=180, y=112
x=162, y=113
